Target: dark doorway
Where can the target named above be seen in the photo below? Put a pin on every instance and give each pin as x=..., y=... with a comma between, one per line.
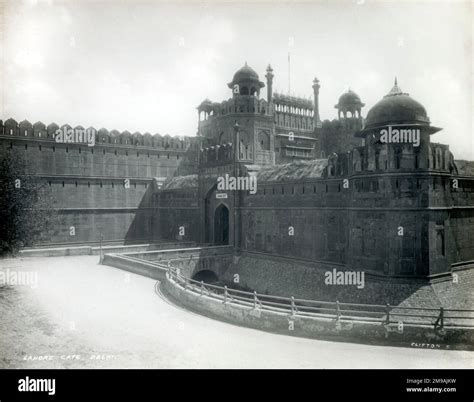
x=206, y=276
x=221, y=225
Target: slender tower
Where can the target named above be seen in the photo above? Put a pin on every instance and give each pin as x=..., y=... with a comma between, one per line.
x=316, y=86
x=269, y=76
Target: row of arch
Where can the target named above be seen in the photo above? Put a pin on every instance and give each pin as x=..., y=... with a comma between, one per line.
x=293, y=121
x=225, y=153
x=294, y=110
x=103, y=136
x=244, y=90
x=356, y=113
x=221, y=153
x=239, y=104
x=436, y=157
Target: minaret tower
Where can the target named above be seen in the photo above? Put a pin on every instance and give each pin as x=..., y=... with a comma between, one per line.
x=316, y=86
x=269, y=76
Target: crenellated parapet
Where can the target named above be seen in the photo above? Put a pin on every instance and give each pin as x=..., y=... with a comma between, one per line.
x=39, y=131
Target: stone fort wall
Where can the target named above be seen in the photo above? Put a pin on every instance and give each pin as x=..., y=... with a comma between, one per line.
x=358, y=226
x=106, y=188
x=177, y=215
x=355, y=227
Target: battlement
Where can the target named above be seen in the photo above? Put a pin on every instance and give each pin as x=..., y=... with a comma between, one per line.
x=39, y=131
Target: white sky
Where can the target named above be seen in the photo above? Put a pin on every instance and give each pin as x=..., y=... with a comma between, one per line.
x=122, y=65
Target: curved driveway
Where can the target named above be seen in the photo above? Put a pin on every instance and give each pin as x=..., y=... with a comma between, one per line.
x=85, y=315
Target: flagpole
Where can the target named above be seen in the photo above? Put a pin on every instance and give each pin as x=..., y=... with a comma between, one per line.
x=289, y=81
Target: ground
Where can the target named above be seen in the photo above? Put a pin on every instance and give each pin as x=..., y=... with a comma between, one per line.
x=84, y=315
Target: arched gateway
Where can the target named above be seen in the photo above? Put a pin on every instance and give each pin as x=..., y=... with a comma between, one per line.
x=221, y=225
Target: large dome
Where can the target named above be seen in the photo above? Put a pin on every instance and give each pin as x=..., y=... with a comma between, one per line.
x=396, y=107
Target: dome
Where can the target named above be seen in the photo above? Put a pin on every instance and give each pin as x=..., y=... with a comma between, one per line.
x=349, y=100
x=246, y=74
x=396, y=107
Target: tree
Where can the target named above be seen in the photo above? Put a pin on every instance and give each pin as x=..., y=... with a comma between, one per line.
x=26, y=212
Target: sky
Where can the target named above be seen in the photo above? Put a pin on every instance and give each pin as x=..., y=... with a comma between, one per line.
x=145, y=66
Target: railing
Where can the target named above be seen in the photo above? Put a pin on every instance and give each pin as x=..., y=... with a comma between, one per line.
x=299, y=154
x=439, y=318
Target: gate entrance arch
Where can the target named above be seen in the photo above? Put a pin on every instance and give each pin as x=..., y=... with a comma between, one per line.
x=221, y=225
x=218, y=218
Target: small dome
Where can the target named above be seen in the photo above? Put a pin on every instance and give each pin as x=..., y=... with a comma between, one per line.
x=205, y=104
x=349, y=100
x=396, y=107
x=206, y=101
x=246, y=74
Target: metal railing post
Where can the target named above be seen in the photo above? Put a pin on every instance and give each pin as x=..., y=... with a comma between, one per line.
x=173, y=273
x=101, y=256
x=440, y=320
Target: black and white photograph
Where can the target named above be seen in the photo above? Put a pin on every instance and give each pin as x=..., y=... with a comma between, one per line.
x=230, y=184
